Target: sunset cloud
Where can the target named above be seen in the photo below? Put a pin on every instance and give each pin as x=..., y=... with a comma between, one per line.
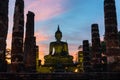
x=41, y=37
x=46, y=9
x=9, y=39
x=42, y=51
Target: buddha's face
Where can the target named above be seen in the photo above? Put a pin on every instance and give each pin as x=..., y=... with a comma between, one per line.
x=58, y=36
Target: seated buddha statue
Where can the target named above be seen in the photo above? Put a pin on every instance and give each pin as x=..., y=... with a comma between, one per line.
x=58, y=51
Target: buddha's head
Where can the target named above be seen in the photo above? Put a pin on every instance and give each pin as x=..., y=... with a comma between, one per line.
x=58, y=34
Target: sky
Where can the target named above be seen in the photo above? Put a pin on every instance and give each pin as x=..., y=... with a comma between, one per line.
x=74, y=17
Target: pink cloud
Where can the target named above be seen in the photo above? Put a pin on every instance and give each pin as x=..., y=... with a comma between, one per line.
x=41, y=37
x=9, y=38
x=42, y=50
x=73, y=50
x=46, y=9
x=102, y=38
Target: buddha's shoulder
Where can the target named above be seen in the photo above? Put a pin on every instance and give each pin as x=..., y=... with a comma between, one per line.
x=56, y=42
x=63, y=42
x=52, y=42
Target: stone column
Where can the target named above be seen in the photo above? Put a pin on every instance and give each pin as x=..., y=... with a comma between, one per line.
x=111, y=35
x=96, y=48
x=3, y=32
x=17, y=36
x=80, y=61
x=38, y=61
x=86, y=56
x=111, y=29
x=30, y=25
x=30, y=44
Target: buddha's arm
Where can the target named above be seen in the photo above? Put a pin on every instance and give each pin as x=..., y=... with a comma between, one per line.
x=66, y=48
x=50, y=49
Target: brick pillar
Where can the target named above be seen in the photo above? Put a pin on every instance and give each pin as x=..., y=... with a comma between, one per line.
x=3, y=33
x=30, y=44
x=86, y=56
x=17, y=37
x=96, y=48
x=111, y=35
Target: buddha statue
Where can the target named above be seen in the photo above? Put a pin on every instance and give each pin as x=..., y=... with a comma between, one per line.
x=58, y=48
x=58, y=51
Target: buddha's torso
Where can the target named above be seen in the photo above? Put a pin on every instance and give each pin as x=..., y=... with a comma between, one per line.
x=58, y=47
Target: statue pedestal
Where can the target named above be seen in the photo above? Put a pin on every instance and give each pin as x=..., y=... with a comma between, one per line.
x=59, y=63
